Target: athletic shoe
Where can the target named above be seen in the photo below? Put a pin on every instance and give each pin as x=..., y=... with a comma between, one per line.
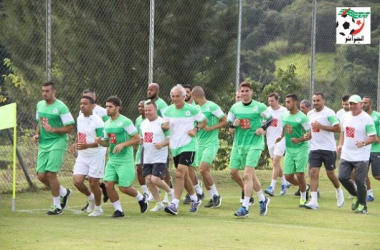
x=201, y=196
x=84, y=209
x=242, y=212
x=284, y=188
x=264, y=206
x=194, y=206
x=251, y=201
x=355, y=203
x=361, y=209
x=217, y=201
x=91, y=206
x=297, y=193
x=340, y=199
x=187, y=199
x=143, y=205
x=54, y=211
x=159, y=206
x=302, y=203
x=311, y=205
x=269, y=191
x=209, y=204
x=370, y=198
x=117, y=214
x=307, y=191
x=171, y=209
x=96, y=212
x=64, y=199
x=104, y=191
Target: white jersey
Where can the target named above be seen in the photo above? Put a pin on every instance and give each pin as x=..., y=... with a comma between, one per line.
x=275, y=129
x=152, y=133
x=88, y=129
x=357, y=128
x=322, y=139
x=340, y=115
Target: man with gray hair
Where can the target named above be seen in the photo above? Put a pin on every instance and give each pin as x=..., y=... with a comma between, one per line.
x=305, y=106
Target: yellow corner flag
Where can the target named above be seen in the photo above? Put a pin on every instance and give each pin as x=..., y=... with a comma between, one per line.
x=8, y=119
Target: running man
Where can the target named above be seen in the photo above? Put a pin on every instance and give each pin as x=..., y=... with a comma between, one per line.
x=54, y=122
x=323, y=148
x=247, y=117
x=208, y=142
x=180, y=119
x=276, y=150
x=296, y=130
x=120, y=135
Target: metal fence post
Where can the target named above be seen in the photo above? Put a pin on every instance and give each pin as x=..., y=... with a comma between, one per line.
x=378, y=83
x=238, y=48
x=48, y=40
x=313, y=34
x=151, y=41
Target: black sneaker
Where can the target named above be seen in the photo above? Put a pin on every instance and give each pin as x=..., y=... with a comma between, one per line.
x=104, y=191
x=65, y=198
x=201, y=196
x=187, y=199
x=143, y=205
x=117, y=214
x=54, y=211
x=209, y=204
x=297, y=193
x=84, y=209
x=217, y=201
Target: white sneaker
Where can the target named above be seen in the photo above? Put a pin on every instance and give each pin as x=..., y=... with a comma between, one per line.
x=159, y=206
x=96, y=213
x=340, y=199
x=91, y=206
x=311, y=205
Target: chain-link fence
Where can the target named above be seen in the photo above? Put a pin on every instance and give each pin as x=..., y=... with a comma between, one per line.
x=105, y=45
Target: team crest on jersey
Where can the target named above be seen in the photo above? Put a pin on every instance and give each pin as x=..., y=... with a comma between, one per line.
x=255, y=109
x=207, y=108
x=187, y=113
x=119, y=124
x=298, y=119
x=55, y=111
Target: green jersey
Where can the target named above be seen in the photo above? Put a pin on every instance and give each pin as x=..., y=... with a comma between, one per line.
x=375, y=148
x=251, y=118
x=161, y=106
x=213, y=114
x=295, y=126
x=56, y=115
x=118, y=131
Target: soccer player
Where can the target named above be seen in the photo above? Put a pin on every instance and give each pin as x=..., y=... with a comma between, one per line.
x=120, y=135
x=155, y=146
x=54, y=123
x=247, y=117
x=322, y=148
x=208, y=142
x=276, y=150
x=345, y=108
x=90, y=161
x=180, y=118
x=375, y=147
x=357, y=134
x=189, y=98
x=296, y=130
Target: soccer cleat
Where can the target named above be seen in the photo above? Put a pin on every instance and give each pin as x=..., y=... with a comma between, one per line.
x=242, y=212
x=54, y=211
x=269, y=191
x=251, y=201
x=159, y=206
x=297, y=193
x=210, y=203
x=187, y=199
x=340, y=199
x=96, y=212
x=355, y=203
x=362, y=209
x=311, y=205
x=217, y=201
x=143, y=205
x=264, y=206
x=201, y=196
x=64, y=199
x=370, y=198
x=284, y=188
x=104, y=191
x=91, y=206
x=84, y=209
x=302, y=203
x=118, y=214
x=171, y=209
x=194, y=206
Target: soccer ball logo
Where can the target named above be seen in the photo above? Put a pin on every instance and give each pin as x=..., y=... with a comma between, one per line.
x=353, y=25
x=345, y=27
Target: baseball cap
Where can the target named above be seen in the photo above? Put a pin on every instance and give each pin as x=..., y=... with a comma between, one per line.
x=355, y=99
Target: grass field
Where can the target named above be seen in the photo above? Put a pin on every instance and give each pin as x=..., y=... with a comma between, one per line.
x=285, y=227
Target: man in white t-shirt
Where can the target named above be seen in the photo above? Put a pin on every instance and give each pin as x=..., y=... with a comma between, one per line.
x=322, y=148
x=357, y=134
x=155, y=145
x=276, y=150
x=90, y=160
x=345, y=108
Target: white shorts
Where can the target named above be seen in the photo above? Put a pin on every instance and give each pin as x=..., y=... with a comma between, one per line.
x=91, y=166
x=277, y=149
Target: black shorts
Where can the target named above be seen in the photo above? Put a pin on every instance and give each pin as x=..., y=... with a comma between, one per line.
x=327, y=157
x=184, y=158
x=374, y=160
x=156, y=169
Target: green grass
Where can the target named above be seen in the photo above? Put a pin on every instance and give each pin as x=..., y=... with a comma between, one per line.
x=324, y=66
x=285, y=227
